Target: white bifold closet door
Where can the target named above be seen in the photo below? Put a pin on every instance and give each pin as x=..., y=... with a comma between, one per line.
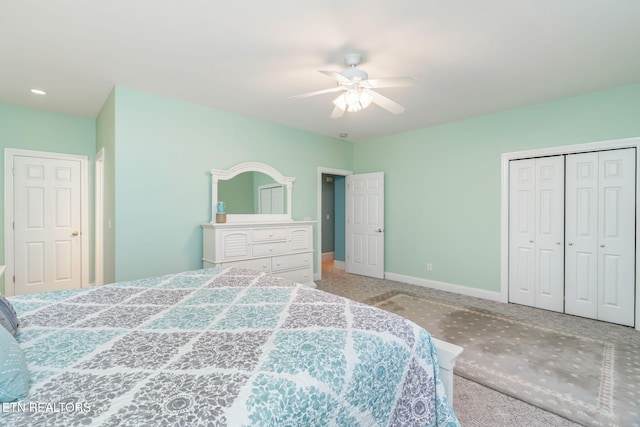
x=536, y=232
x=600, y=235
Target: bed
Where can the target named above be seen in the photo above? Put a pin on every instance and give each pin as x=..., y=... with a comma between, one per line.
x=222, y=347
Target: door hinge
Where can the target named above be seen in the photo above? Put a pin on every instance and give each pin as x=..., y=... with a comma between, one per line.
x=14, y=278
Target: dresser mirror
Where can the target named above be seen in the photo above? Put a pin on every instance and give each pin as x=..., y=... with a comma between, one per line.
x=251, y=192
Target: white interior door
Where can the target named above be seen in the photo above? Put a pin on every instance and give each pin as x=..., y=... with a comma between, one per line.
x=364, y=228
x=581, y=264
x=549, y=241
x=616, y=230
x=522, y=231
x=536, y=215
x=47, y=224
x=600, y=236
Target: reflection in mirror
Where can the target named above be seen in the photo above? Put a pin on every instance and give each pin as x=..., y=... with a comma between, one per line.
x=252, y=193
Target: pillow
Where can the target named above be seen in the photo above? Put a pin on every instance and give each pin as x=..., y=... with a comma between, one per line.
x=14, y=376
x=8, y=317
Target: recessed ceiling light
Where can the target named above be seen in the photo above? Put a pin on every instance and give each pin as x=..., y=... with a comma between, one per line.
x=38, y=92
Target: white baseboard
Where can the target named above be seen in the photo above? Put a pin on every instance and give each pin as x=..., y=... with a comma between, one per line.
x=449, y=287
x=338, y=265
x=328, y=256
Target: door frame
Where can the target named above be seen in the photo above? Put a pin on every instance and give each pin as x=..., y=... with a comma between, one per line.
x=98, y=266
x=321, y=171
x=552, y=151
x=9, y=235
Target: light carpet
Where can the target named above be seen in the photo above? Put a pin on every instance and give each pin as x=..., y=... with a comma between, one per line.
x=565, y=373
x=478, y=405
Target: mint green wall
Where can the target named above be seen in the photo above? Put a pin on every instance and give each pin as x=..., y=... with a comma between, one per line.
x=29, y=129
x=106, y=138
x=165, y=149
x=442, y=184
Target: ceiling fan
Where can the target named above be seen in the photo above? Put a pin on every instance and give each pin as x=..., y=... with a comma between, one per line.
x=357, y=89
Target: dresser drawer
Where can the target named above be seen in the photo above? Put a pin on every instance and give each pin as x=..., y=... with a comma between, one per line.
x=269, y=234
x=304, y=275
x=263, y=264
x=268, y=249
x=289, y=262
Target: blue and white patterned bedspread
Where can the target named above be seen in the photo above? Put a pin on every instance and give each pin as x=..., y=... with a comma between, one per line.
x=222, y=347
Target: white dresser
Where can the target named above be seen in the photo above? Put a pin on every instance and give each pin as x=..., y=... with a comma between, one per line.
x=283, y=249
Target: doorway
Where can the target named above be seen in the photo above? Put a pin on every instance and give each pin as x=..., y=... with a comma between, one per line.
x=363, y=220
x=331, y=230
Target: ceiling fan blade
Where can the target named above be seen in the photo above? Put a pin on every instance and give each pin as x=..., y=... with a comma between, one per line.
x=317, y=92
x=386, y=103
x=337, y=76
x=390, y=82
x=337, y=113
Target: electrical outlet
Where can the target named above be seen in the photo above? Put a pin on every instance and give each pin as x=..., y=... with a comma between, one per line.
x=429, y=267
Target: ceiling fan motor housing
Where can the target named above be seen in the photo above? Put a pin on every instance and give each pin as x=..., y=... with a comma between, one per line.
x=354, y=74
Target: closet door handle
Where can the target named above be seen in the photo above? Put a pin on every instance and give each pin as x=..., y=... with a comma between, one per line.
x=530, y=241
x=602, y=245
x=570, y=244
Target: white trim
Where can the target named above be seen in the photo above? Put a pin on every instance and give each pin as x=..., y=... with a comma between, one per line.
x=447, y=355
x=339, y=265
x=9, y=154
x=554, y=151
x=321, y=171
x=328, y=256
x=443, y=286
x=99, y=219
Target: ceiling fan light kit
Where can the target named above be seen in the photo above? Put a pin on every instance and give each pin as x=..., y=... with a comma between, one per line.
x=357, y=89
x=353, y=100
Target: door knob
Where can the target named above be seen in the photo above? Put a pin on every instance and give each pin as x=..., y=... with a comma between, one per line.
x=380, y=230
x=602, y=245
x=570, y=244
x=558, y=243
x=74, y=234
x=530, y=241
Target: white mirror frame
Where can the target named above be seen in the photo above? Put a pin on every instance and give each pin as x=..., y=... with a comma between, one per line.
x=223, y=175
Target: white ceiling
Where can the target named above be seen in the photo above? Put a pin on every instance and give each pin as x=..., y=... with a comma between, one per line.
x=247, y=57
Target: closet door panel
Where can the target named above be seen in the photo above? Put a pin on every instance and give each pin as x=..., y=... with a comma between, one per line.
x=521, y=231
x=600, y=235
x=536, y=232
x=549, y=233
x=616, y=256
x=581, y=234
